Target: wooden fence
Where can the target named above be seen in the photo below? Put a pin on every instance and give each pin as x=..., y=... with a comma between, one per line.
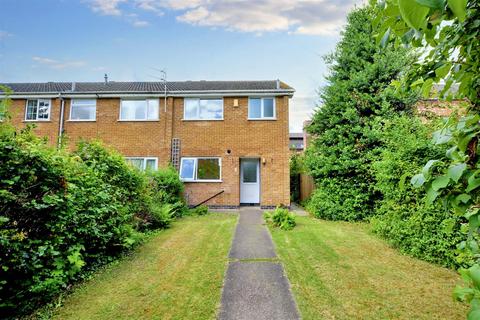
x=306, y=186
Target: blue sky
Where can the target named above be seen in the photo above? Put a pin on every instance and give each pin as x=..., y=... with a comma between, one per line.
x=70, y=40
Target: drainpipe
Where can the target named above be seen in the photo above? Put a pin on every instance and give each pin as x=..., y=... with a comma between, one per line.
x=60, y=125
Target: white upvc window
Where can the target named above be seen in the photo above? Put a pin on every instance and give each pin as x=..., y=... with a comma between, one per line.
x=139, y=110
x=83, y=110
x=143, y=163
x=201, y=169
x=38, y=110
x=203, y=109
x=261, y=109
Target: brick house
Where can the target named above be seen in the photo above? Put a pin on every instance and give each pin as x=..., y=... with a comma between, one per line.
x=228, y=139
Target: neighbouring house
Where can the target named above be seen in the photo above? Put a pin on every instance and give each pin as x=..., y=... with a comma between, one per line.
x=296, y=143
x=228, y=139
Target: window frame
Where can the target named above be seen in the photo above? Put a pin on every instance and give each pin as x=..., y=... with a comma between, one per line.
x=82, y=120
x=146, y=113
x=36, y=115
x=262, y=117
x=195, y=169
x=198, y=109
x=144, y=166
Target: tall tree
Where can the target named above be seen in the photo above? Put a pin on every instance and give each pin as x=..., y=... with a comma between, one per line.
x=357, y=93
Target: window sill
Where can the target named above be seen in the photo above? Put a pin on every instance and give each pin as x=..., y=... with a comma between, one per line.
x=37, y=121
x=262, y=119
x=202, y=119
x=202, y=181
x=156, y=120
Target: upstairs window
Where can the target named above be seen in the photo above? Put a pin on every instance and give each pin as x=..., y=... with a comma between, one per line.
x=200, y=169
x=203, y=109
x=38, y=110
x=83, y=110
x=261, y=108
x=139, y=110
x=143, y=163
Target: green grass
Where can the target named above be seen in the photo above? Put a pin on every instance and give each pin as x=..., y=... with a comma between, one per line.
x=339, y=270
x=178, y=274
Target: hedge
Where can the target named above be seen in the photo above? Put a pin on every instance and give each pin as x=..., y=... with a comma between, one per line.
x=63, y=214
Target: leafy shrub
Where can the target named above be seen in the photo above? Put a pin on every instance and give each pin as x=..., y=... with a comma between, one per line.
x=200, y=210
x=296, y=168
x=166, y=187
x=161, y=215
x=340, y=198
x=110, y=166
x=280, y=218
x=402, y=217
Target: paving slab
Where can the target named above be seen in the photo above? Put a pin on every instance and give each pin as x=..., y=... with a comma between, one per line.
x=255, y=286
x=298, y=210
x=252, y=239
x=257, y=291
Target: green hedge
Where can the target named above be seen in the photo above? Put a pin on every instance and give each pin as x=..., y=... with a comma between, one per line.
x=63, y=214
x=402, y=216
x=358, y=92
x=341, y=198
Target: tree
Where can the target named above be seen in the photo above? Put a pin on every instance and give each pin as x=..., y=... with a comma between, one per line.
x=448, y=31
x=358, y=92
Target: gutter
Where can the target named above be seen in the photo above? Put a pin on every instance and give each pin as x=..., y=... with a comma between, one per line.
x=219, y=93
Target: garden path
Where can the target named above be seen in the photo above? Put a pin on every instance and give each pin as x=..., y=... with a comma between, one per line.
x=255, y=285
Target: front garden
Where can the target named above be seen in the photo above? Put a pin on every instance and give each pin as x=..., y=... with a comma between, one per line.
x=339, y=270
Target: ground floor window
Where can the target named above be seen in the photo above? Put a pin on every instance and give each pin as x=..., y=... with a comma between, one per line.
x=143, y=163
x=200, y=169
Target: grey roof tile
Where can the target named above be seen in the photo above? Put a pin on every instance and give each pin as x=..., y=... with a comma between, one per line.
x=150, y=87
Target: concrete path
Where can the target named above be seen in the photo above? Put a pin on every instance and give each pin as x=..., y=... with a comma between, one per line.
x=298, y=210
x=255, y=285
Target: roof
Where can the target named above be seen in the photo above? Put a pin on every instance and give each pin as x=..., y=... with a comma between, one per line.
x=296, y=141
x=296, y=135
x=173, y=87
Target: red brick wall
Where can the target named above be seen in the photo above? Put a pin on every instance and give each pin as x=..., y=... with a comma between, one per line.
x=264, y=139
x=47, y=129
x=440, y=108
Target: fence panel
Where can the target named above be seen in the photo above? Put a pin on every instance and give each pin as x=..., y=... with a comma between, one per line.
x=306, y=186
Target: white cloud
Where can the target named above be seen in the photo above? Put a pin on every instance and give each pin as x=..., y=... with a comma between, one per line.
x=140, y=23
x=4, y=34
x=106, y=7
x=135, y=21
x=57, y=64
x=313, y=17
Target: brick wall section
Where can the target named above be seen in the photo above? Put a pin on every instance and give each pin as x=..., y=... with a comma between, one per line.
x=47, y=129
x=130, y=138
x=440, y=108
x=264, y=139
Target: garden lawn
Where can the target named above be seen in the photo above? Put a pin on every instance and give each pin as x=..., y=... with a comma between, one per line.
x=339, y=270
x=177, y=274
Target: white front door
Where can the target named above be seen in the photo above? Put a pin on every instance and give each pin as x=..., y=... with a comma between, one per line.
x=249, y=181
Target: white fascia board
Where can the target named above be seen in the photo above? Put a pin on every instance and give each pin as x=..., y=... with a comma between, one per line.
x=212, y=93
